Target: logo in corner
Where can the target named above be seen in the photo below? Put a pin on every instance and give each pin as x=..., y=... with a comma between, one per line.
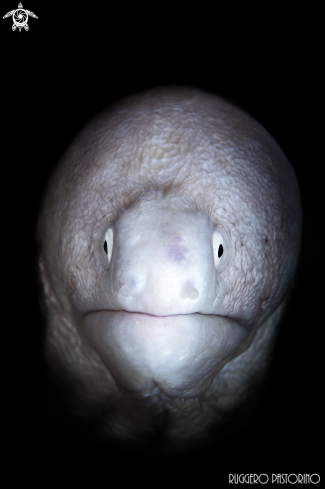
x=20, y=18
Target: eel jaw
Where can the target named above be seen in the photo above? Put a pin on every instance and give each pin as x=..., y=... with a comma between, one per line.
x=175, y=355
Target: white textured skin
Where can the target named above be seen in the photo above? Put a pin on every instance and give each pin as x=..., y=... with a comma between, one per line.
x=161, y=323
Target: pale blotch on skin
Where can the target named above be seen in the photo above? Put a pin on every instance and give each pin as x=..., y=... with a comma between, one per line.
x=169, y=238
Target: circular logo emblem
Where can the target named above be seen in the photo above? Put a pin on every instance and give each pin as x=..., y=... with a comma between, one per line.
x=20, y=18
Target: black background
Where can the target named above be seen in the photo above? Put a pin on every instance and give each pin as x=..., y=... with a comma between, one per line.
x=70, y=65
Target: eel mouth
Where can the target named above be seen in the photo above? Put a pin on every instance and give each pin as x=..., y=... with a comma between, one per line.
x=177, y=354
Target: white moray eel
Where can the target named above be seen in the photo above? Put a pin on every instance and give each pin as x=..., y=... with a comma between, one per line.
x=169, y=238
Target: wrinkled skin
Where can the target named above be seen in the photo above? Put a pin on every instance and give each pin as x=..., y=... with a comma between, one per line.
x=169, y=236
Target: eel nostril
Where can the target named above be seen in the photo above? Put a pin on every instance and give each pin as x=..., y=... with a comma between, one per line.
x=189, y=292
x=194, y=294
x=132, y=287
x=126, y=290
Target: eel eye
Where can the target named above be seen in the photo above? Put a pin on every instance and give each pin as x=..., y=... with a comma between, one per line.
x=108, y=243
x=220, y=250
